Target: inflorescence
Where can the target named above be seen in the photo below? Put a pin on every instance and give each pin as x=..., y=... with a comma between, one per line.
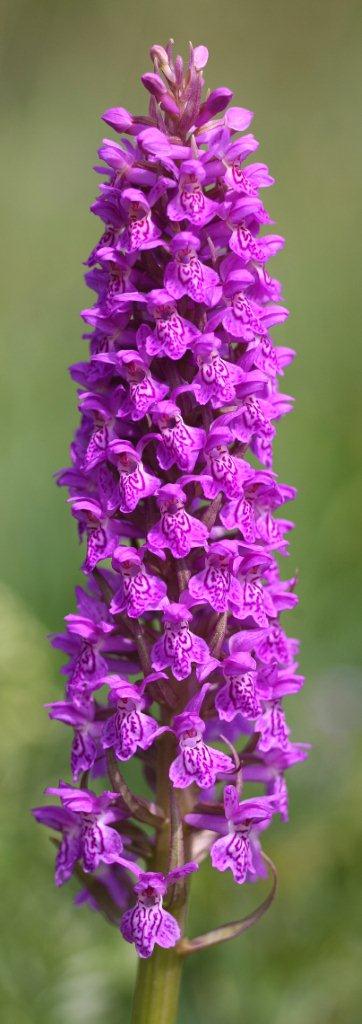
x=176, y=655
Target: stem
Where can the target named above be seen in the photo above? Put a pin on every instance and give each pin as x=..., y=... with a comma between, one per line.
x=158, y=978
x=157, y=988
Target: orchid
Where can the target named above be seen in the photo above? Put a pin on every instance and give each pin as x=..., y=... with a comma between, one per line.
x=176, y=654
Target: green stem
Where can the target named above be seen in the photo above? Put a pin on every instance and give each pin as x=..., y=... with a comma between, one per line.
x=158, y=978
x=157, y=988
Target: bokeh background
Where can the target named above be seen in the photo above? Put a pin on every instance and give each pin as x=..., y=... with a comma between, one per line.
x=297, y=65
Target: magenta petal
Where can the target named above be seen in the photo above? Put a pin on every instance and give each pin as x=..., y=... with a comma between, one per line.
x=233, y=853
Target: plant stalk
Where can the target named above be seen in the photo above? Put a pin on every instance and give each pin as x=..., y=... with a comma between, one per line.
x=157, y=990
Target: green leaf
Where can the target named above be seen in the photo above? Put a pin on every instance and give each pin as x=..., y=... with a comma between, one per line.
x=232, y=929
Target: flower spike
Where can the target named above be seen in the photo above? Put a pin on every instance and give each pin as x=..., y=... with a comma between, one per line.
x=176, y=656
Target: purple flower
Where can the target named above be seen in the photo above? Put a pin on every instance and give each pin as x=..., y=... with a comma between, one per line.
x=178, y=648
x=139, y=389
x=172, y=334
x=191, y=202
x=238, y=848
x=273, y=728
x=140, y=232
x=187, y=275
x=196, y=762
x=180, y=513
x=177, y=529
x=139, y=591
x=84, y=820
x=128, y=728
x=148, y=923
x=227, y=472
x=253, y=598
x=87, y=729
x=135, y=483
x=249, y=179
x=247, y=247
x=178, y=443
x=215, y=584
x=87, y=637
x=252, y=513
x=239, y=694
x=101, y=531
x=217, y=378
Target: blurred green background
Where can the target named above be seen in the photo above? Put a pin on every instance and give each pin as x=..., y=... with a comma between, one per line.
x=297, y=66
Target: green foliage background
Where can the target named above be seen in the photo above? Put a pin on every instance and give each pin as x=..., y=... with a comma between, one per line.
x=297, y=65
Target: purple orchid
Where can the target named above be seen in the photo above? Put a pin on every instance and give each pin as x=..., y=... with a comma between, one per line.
x=239, y=694
x=87, y=637
x=84, y=820
x=87, y=730
x=101, y=531
x=179, y=443
x=139, y=390
x=177, y=529
x=172, y=334
x=238, y=850
x=178, y=648
x=173, y=490
x=196, y=762
x=227, y=473
x=216, y=584
x=128, y=728
x=217, y=379
x=140, y=231
x=187, y=275
x=135, y=483
x=148, y=923
x=191, y=201
x=139, y=591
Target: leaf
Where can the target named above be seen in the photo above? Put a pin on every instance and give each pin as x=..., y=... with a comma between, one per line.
x=232, y=929
x=139, y=808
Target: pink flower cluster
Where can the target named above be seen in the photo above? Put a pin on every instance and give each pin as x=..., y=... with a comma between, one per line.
x=177, y=634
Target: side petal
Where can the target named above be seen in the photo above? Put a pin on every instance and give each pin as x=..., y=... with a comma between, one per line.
x=68, y=853
x=169, y=932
